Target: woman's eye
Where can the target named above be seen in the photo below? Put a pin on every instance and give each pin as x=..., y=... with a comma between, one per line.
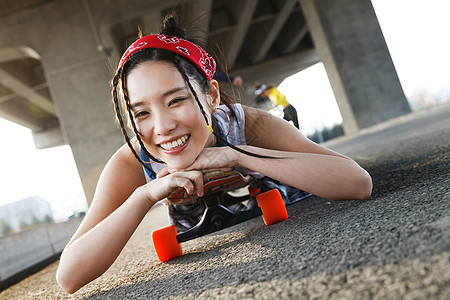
x=140, y=114
x=176, y=100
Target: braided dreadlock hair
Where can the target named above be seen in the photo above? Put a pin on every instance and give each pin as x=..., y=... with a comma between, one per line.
x=188, y=71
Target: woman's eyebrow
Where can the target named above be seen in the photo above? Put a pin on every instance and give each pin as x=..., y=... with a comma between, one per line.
x=172, y=91
x=137, y=104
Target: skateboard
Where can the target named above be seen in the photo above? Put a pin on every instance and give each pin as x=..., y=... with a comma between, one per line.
x=216, y=198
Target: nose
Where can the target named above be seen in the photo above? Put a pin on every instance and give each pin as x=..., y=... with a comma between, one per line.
x=163, y=124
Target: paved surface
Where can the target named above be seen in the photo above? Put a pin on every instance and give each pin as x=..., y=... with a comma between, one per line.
x=393, y=246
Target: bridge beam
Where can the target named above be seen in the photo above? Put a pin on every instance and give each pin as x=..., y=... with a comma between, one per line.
x=260, y=50
x=23, y=90
x=350, y=43
x=234, y=42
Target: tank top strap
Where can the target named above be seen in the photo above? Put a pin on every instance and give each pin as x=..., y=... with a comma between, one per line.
x=232, y=128
x=154, y=166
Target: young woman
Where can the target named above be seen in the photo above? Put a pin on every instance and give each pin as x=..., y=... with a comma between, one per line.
x=165, y=88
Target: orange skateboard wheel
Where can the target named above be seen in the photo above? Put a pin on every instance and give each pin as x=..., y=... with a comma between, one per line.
x=166, y=244
x=272, y=207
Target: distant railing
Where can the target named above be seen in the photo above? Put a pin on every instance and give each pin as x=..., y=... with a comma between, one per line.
x=23, y=252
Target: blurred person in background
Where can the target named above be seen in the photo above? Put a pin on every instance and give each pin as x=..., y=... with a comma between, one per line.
x=277, y=98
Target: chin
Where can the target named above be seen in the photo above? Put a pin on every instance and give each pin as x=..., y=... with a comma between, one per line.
x=180, y=165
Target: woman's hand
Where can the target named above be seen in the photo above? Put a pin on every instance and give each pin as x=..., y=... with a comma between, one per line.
x=167, y=182
x=210, y=159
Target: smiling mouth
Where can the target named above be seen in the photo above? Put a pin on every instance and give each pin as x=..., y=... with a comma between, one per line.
x=175, y=144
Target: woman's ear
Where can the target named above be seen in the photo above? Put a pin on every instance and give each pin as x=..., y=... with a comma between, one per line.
x=214, y=94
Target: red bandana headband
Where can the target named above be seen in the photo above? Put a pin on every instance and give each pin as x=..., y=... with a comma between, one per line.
x=192, y=52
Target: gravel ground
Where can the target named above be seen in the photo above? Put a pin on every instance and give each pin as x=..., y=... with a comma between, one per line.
x=393, y=246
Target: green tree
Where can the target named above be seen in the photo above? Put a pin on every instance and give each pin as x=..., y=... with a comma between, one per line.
x=23, y=224
x=327, y=134
x=5, y=229
x=34, y=221
x=48, y=219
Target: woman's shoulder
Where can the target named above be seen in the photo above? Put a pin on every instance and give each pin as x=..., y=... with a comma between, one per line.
x=119, y=178
x=124, y=153
x=124, y=161
x=266, y=130
x=252, y=114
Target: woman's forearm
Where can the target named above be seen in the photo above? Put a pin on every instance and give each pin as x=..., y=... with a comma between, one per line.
x=328, y=176
x=94, y=252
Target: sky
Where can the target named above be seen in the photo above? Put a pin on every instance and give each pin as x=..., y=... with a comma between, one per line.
x=415, y=34
x=26, y=171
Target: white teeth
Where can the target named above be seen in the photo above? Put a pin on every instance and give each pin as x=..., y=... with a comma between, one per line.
x=175, y=144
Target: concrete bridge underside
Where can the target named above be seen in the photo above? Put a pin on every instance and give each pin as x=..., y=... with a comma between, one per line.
x=57, y=58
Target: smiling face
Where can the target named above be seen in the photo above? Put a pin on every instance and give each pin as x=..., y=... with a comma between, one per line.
x=167, y=115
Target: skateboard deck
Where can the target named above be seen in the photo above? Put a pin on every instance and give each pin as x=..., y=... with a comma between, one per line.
x=213, y=182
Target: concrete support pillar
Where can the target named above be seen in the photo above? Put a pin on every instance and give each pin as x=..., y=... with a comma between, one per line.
x=78, y=76
x=86, y=116
x=349, y=41
x=78, y=79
